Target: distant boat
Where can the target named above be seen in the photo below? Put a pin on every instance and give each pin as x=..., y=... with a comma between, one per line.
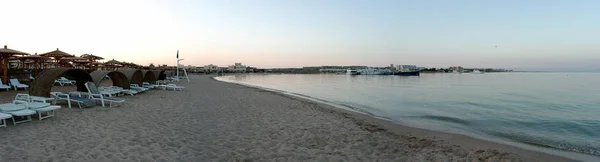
x=352, y=72
x=369, y=71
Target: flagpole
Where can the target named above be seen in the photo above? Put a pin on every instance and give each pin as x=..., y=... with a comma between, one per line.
x=177, y=65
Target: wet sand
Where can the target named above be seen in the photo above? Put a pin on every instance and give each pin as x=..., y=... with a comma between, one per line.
x=217, y=121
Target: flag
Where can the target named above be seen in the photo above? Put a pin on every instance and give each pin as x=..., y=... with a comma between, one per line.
x=177, y=53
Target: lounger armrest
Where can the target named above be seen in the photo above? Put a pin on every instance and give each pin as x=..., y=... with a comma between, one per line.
x=63, y=95
x=97, y=96
x=17, y=102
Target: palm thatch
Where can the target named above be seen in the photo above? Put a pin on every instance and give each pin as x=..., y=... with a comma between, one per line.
x=118, y=79
x=134, y=76
x=57, y=54
x=112, y=62
x=92, y=57
x=9, y=52
x=149, y=76
x=42, y=85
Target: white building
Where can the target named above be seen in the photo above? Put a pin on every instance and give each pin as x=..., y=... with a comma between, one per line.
x=211, y=68
x=237, y=67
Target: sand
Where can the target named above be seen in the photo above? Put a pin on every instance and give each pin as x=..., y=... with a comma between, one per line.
x=217, y=121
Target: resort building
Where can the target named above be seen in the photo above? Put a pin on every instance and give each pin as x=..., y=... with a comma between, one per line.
x=456, y=68
x=237, y=67
x=211, y=68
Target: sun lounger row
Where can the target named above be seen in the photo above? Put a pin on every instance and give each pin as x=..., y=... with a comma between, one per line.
x=23, y=107
x=14, y=83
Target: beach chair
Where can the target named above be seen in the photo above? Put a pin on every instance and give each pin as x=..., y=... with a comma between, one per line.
x=64, y=81
x=110, y=92
x=174, y=87
x=148, y=85
x=67, y=81
x=124, y=91
x=62, y=96
x=38, y=104
x=95, y=94
x=4, y=86
x=16, y=84
x=138, y=88
x=17, y=111
x=3, y=117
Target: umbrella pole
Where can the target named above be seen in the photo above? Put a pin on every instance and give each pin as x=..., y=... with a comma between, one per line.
x=5, y=70
x=35, y=67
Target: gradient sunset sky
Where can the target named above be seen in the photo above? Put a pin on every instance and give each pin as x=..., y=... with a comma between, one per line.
x=516, y=34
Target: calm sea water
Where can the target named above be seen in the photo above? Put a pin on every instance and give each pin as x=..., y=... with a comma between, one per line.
x=552, y=110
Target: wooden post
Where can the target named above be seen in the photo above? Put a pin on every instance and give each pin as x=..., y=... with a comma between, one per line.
x=35, y=67
x=5, y=70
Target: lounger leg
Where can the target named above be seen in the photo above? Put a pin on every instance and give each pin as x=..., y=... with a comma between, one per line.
x=14, y=121
x=3, y=123
x=69, y=103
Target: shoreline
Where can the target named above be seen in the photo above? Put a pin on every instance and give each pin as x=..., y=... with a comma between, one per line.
x=217, y=121
x=470, y=141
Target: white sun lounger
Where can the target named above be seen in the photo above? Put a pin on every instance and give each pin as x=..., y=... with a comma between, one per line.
x=4, y=86
x=16, y=84
x=174, y=87
x=124, y=91
x=17, y=111
x=3, y=117
x=37, y=104
x=95, y=94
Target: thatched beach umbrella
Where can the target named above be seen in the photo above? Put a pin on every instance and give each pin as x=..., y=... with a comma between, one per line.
x=56, y=54
x=5, y=53
x=92, y=58
x=36, y=59
x=112, y=63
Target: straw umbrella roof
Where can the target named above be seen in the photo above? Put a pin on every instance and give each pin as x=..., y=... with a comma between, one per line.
x=92, y=57
x=112, y=62
x=7, y=52
x=56, y=54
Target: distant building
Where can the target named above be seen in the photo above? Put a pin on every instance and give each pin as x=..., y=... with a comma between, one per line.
x=457, y=68
x=237, y=67
x=211, y=68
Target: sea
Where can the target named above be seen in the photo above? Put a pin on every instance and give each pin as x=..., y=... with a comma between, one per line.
x=552, y=111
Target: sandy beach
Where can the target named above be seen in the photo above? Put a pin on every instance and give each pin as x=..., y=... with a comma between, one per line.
x=216, y=121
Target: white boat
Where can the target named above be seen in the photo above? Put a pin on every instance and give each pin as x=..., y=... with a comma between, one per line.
x=352, y=72
x=369, y=71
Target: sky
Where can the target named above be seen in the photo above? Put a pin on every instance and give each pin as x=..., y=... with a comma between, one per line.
x=555, y=35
